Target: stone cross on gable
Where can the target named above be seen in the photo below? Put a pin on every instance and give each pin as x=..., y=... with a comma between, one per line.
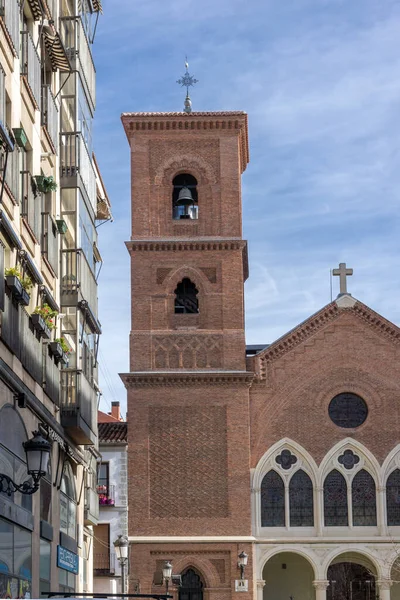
x=343, y=273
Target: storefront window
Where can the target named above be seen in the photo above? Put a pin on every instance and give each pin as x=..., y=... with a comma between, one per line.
x=66, y=581
x=15, y=561
x=45, y=548
x=68, y=503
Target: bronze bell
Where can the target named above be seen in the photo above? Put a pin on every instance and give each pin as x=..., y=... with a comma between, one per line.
x=185, y=197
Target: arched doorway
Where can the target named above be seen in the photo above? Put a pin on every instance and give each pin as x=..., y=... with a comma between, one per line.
x=395, y=577
x=192, y=586
x=288, y=575
x=351, y=577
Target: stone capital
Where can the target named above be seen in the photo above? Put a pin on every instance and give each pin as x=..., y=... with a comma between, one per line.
x=260, y=584
x=321, y=584
x=384, y=584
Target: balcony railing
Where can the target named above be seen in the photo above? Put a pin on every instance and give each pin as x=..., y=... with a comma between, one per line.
x=10, y=10
x=49, y=241
x=52, y=6
x=50, y=115
x=106, y=494
x=103, y=564
x=78, y=407
x=78, y=50
x=31, y=204
x=30, y=66
x=77, y=280
x=75, y=160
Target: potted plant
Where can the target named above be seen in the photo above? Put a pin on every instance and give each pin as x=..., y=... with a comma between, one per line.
x=43, y=320
x=61, y=226
x=45, y=184
x=60, y=350
x=19, y=286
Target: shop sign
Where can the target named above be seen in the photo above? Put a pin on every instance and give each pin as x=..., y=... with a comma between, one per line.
x=67, y=560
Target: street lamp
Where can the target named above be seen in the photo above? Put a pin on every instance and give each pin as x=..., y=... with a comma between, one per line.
x=37, y=452
x=242, y=562
x=167, y=574
x=121, y=546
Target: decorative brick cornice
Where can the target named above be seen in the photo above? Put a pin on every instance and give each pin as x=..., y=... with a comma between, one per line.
x=379, y=323
x=184, y=245
x=186, y=378
x=223, y=121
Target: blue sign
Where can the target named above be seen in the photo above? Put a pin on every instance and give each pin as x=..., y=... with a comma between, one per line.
x=67, y=560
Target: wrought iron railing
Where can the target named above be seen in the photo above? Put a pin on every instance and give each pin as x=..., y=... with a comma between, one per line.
x=77, y=277
x=77, y=46
x=31, y=204
x=103, y=563
x=78, y=398
x=50, y=115
x=106, y=494
x=75, y=159
x=9, y=10
x=49, y=242
x=30, y=66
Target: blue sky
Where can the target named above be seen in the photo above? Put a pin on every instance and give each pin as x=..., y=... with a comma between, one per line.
x=320, y=81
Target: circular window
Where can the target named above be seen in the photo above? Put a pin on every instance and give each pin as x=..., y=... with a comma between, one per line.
x=348, y=410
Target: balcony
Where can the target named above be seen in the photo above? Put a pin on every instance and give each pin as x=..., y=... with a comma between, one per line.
x=77, y=280
x=78, y=51
x=30, y=67
x=13, y=175
x=91, y=507
x=106, y=495
x=49, y=242
x=49, y=117
x=76, y=166
x=10, y=10
x=31, y=204
x=103, y=564
x=78, y=407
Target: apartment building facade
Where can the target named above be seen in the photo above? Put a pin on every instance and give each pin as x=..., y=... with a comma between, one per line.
x=51, y=199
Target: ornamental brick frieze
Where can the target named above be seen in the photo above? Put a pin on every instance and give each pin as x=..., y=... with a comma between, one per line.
x=151, y=379
x=176, y=245
x=187, y=351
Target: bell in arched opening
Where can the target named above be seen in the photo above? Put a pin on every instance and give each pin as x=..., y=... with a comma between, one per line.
x=184, y=197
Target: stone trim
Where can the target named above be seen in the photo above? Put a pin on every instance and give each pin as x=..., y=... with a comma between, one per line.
x=176, y=245
x=186, y=379
x=321, y=584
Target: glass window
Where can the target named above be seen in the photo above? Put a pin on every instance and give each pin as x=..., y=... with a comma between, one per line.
x=393, y=498
x=66, y=581
x=86, y=232
x=68, y=503
x=348, y=410
x=15, y=561
x=45, y=553
x=272, y=501
x=301, y=500
x=335, y=500
x=363, y=499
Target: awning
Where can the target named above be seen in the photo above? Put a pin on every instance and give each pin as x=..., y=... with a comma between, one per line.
x=91, y=320
x=56, y=51
x=36, y=8
x=97, y=6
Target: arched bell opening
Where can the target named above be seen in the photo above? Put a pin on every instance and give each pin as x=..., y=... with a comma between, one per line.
x=186, y=300
x=184, y=197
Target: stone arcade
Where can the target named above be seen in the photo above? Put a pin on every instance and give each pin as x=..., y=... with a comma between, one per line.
x=288, y=452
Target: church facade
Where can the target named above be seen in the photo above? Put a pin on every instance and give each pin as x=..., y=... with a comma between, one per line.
x=287, y=453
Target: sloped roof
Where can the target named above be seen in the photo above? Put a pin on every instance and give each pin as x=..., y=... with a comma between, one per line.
x=113, y=433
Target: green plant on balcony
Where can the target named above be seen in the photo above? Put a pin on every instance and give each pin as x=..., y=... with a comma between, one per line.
x=60, y=349
x=19, y=286
x=64, y=345
x=48, y=315
x=45, y=184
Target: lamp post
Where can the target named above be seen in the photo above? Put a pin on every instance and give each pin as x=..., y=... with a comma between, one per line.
x=121, y=546
x=167, y=574
x=37, y=452
x=242, y=562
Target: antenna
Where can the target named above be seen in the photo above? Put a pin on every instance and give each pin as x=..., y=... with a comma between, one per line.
x=330, y=277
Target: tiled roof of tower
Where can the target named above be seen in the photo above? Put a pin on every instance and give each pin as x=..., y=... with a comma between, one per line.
x=113, y=433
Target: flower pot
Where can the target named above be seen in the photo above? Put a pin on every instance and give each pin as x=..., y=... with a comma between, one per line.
x=21, y=295
x=56, y=350
x=20, y=136
x=61, y=226
x=39, y=324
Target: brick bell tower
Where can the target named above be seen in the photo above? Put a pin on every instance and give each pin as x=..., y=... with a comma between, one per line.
x=188, y=389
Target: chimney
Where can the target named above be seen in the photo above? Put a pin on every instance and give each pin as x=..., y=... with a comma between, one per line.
x=115, y=411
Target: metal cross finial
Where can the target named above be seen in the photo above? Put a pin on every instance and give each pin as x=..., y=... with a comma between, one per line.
x=343, y=273
x=187, y=81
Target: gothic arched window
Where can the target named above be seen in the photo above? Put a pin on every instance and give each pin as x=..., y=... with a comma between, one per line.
x=184, y=197
x=363, y=495
x=192, y=586
x=272, y=500
x=186, y=297
x=393, y=498
x=335, y=500
x=301, y=501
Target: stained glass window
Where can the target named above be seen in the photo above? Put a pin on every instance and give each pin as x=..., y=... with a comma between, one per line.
x=393, y=498
x=272, y=500
x=335, y=500
x=301, y=500
x=348, y=410
x=363, y=499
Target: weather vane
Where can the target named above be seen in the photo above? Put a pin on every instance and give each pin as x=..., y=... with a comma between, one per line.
x=186, y=81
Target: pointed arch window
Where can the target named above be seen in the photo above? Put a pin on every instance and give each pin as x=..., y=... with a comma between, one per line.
x=192, y=586
x=301, y=501
x=186, y=300
x=393, y=498
x=363, y=495
x=272, y=500
x=184, y=197
x=335, y=500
